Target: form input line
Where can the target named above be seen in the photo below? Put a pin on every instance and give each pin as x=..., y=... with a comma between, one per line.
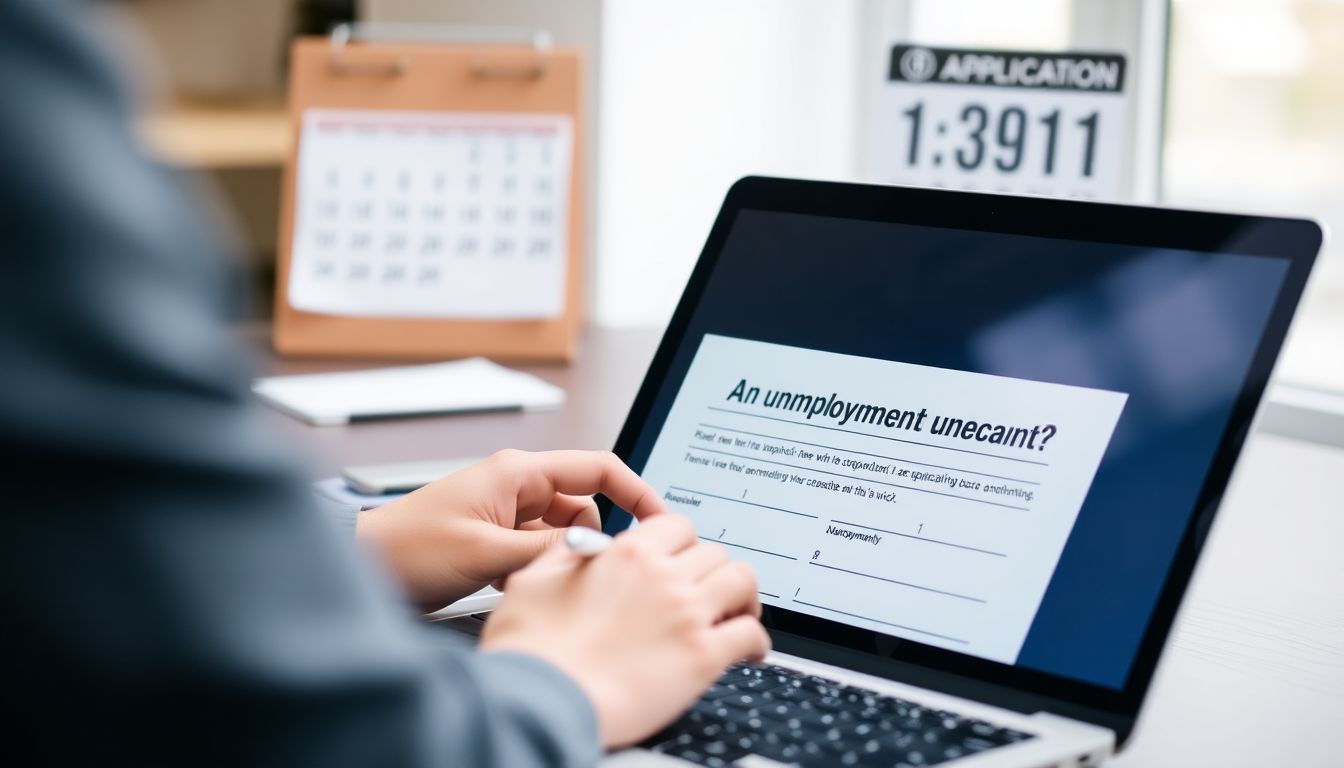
x=902, y=583
x=744, y=546
x=740, y=501
x=920, y=538
x=880, y=621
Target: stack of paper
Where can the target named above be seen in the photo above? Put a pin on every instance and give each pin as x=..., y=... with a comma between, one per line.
x=476, y=384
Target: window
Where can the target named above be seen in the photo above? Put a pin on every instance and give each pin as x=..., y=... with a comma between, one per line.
x=1255, y=122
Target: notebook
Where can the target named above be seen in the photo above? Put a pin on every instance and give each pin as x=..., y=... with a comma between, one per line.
x=461, y=386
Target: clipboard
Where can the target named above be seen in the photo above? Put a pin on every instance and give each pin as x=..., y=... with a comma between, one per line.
x=440, y=82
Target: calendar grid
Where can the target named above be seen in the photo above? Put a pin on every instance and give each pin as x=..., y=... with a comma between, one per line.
x=432, y=214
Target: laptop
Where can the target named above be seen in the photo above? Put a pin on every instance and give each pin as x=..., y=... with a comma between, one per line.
x=972, y=446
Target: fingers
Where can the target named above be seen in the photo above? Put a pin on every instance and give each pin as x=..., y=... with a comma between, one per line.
x=511, y=550
x=580, y=473
x=662, y=534
x=566, y=510
x=702, y=559
x=730, y=590
x=740, y=638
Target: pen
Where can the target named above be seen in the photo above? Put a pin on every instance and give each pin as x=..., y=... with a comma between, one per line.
x=586, y=542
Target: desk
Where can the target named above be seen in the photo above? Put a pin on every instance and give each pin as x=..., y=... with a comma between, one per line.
x=599, y=386
x=218, y=136
x=1254, y=671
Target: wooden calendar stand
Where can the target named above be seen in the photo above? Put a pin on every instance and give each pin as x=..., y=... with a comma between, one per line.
x=428, y=70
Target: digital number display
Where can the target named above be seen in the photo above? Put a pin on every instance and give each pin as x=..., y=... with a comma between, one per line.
x=1051, y=124
x=1009, y=137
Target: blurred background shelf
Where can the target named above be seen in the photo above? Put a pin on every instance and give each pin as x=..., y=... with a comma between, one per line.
x=217, y=136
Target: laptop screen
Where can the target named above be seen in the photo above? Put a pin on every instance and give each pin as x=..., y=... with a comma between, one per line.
x=982, y=442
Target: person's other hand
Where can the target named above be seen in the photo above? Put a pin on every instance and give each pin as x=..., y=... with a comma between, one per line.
x=474, y=527
x=643, y=628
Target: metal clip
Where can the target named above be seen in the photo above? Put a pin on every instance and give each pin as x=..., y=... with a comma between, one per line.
x=342, y=35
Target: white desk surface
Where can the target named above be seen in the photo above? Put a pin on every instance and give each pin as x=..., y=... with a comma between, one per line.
x=1253, y=674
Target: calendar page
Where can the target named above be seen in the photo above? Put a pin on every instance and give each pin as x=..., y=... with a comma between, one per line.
x=1003, y=121
x=431, y=214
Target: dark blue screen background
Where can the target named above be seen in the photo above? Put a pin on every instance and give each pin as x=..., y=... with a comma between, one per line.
x=1176, y=330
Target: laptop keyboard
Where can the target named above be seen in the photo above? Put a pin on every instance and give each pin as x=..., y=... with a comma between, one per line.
x=794, y=717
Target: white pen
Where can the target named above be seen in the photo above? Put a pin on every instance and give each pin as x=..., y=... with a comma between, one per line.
x=586, y=542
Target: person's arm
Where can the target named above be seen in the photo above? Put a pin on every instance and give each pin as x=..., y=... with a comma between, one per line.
x=171, y=594
x=660, y=611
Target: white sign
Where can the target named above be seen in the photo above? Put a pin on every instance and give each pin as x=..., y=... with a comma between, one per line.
x=431, y=214
x=1038, y=123
x=926, y=503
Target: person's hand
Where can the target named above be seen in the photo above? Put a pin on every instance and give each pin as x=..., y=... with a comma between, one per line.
x=477, y=526
x=643, y=628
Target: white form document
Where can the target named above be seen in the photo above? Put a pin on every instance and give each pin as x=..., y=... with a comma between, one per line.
x=926, y=503
x=431, y=214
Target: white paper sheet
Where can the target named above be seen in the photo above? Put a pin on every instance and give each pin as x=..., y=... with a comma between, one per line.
x=431, y=214
x=475, y=384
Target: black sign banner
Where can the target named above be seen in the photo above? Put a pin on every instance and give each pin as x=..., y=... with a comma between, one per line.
x=1068, y=71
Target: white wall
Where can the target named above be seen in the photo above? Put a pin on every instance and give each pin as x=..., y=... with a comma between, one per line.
x=695, y=95
x=691, y=96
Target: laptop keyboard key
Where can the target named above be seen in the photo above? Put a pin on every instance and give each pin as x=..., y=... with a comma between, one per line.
x=784, y=693
x=810, y=720
x=718, y=691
